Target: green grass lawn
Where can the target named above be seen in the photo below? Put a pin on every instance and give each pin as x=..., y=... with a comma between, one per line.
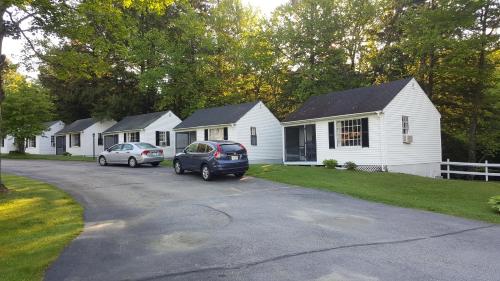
x=36, y=222
x=454, y=197
x=47, y=157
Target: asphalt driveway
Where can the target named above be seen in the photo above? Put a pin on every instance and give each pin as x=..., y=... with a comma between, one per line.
x=150, y=224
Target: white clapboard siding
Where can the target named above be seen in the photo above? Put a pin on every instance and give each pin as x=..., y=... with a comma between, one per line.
x=88, y=139
x=371, y=155
x=165, y=123
x=424, y=124
x=43, y=141
x=269, y=135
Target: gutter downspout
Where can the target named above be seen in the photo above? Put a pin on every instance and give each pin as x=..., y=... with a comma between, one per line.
x=383, y=163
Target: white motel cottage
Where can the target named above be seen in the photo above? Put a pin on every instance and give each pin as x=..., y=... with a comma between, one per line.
x=251, y=124
x=82, y=137
x=391, y=127
x=8, y=144
x=155, y=128
x=45, y=142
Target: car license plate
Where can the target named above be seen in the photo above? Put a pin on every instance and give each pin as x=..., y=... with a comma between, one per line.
x=235, y=157
x=154, y=154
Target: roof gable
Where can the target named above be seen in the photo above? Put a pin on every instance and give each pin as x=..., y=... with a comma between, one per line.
x=78, y=126
x=51, y=123
x=227, y=114
x=136, y=122
x=359, y=100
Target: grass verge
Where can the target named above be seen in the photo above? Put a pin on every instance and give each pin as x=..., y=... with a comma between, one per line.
x=466, y=199
x=47, y=157
x=36, y=221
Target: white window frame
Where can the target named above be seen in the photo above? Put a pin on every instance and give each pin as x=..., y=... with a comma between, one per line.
x=216, y=133
x=131, y=136
x=405, y=125
x=73, y=138
x=162, y=138
x=349, y=133
x=31, y=142
x=253, y=136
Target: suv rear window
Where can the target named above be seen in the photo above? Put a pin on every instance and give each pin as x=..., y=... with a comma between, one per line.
x=144, y=145
x=231, y=147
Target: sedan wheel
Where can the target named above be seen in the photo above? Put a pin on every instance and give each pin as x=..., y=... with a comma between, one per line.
x=132, y=162
x=205, y=173
x=102, y=161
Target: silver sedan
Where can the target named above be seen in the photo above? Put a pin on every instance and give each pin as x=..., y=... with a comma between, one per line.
x=131, y=153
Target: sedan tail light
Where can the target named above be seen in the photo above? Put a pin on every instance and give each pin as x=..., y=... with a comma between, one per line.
x=161, y=151
x=145, y=152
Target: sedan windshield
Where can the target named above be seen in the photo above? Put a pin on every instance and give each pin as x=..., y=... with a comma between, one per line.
x=144, y=145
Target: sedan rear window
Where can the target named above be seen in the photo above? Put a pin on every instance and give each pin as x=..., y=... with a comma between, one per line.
x=144, y=145
x=231, y=147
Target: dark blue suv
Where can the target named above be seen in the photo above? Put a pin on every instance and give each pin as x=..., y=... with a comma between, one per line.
x=213, y=158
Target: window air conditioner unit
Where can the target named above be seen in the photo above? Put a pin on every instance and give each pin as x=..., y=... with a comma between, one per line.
x=407, y=139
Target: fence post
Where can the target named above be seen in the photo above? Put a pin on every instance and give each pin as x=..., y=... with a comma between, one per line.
x=448, y=168
x=486, y=169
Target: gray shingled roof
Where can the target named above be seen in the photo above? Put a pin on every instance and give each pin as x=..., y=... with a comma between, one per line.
x=77, y=126
x=135, y=122
x=359, y=100
x=50, y=123
x=216, y=115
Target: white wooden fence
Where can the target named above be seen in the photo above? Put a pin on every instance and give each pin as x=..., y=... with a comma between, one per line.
x=486, y=172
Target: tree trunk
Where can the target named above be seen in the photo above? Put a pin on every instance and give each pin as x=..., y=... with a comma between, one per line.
x=3, y=188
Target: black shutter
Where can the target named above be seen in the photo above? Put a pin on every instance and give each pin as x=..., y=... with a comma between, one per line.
x=157, y=138
x=137, y=136
x=69, y=140
x=225, y=133
x=124, y=137
x=168, y=138
x=331, y=134
x=365, y=138
x=206, y=134
x=34, y=141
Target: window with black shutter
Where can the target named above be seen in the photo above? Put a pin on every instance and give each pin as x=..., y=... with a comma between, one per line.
x=137, y=137
x=331, y=134
x=365, y=138
x=253, y=136
x=206, y=134
x=99, y=139
x=225, y=133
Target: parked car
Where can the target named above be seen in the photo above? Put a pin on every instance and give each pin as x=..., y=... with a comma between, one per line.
x=131, y=153
x=213, y=158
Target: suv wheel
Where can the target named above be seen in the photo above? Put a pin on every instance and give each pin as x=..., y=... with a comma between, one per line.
x=132, y=162
x=239, y=175
x=205, y=173
x=102, y=161
x=178, y=167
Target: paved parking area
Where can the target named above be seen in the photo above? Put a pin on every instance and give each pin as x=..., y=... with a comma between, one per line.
x=150, y=224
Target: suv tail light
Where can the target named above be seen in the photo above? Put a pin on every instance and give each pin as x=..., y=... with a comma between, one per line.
x=145, y=152
x=244, y=148
x=218, y=153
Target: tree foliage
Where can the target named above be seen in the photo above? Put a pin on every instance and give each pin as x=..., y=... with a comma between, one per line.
x=121, y=57
x=25, y=109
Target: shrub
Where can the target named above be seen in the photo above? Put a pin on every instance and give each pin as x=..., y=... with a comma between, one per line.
x=495, y=203
x=15, y=152
x=330, y=163
x=66, y=154
x=351, y=166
